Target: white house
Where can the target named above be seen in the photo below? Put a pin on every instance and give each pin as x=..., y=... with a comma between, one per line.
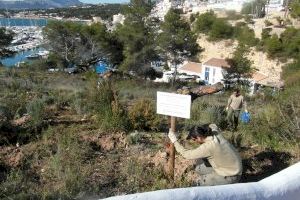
x=259, y=80
x=214, y=70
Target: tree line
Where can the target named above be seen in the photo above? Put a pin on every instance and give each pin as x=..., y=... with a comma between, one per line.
x=131, y=46
x=6, y=38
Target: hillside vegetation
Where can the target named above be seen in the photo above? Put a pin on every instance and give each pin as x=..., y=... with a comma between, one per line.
x=79, y=136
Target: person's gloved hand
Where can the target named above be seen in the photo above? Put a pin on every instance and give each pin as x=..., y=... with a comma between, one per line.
x=172, y=136
x=226, y=108
x=214, y=127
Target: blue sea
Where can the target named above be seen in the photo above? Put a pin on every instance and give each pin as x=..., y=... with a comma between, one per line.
x=19, y=57
x=22, y=22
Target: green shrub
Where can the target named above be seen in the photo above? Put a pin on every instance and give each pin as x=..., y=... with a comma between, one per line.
x=268, y=23
x=143, y=177
x=274, y=46
x=66, y=165
x=220, y=29
x=142, y=115
x=36, y=110
x=204, y=22
x=245, y=35
x=5, y=116
x=110, y=113
x=204, y=112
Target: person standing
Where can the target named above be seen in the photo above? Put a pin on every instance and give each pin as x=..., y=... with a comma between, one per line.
x=218, y=162
x=235, y=103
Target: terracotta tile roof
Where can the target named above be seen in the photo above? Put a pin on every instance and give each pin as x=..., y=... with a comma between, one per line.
x=257, y=76
x=217, y=62
x=192, y=67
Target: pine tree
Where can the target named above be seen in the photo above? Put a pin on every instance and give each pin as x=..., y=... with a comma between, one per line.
x=176, y=41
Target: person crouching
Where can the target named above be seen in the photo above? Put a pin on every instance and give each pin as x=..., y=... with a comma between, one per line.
x=218, y=162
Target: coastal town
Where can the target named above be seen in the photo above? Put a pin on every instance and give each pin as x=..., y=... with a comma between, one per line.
x=143, y=99
x=268, y=71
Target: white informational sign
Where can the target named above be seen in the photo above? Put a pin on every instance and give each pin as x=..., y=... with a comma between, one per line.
x=176, y=105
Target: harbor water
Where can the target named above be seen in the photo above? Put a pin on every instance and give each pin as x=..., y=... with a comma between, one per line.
x=23, y=26
x=22, y=22
x=19, y=57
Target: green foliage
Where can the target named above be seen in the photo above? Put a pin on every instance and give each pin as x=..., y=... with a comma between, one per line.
x=176, y=41
x=245, y=35
x=295, y=8
x=5, y=39
x=110, y=113
x=193, y=17
x=143, y=115
x=216, y=28
x=240, y=65
x=16, y=186
x=142, y=177
x=220, y=29
x=283, y=47
x=204, y=22
x=268, y=23
x=137, y=37
x=66, y=165
x=5, y=116
x=35, y=109
x=265, y=34
x=290, y=39
x=291, y=74
x=82, y=45
x=206, y=112
x=249, y=19
x=274, y=46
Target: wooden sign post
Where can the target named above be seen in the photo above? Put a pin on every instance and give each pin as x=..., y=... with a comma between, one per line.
x=171, y=161
x=174, y=105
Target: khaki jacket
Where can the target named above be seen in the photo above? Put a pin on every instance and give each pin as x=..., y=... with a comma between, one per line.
x=236, y=103
x=222, y=156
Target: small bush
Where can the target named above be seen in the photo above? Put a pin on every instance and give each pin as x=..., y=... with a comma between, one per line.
x=110, y=113
x=268, y=23
x=5, y=116
x=245, y=35
x=204, y=22
x=142, y=115
x=35, y=109
x=220, y=29
x=66, y=167
x=203, y=112
x=139, y=176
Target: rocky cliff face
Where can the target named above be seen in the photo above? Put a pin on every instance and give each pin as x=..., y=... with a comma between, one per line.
x=35, y=4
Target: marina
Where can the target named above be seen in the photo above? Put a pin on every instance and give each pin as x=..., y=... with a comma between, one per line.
x=21, y=57
x=7, y=22
x=27, y=40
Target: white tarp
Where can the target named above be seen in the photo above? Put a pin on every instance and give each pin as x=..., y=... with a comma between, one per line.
x=284, y=185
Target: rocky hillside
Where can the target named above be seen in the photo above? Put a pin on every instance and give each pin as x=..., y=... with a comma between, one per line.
x=35, y=4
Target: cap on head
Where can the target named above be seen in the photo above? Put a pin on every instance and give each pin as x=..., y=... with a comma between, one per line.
x=199, y=131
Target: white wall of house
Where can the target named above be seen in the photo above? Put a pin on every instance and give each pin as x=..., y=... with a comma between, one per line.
x=212, y=74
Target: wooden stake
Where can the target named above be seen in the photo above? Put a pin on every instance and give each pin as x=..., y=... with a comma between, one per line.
x=171, y=161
